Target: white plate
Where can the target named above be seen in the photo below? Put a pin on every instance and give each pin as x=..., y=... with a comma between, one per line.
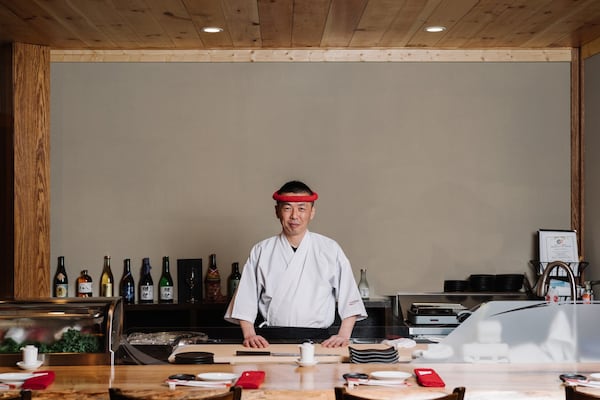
x=15, y=378
x=217, y=376
x=395, y=375
x=307, y=363
x=594, y=376
x=31, y=367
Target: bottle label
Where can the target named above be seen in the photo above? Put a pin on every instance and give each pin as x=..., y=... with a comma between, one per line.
x=233, y=285
x=107, y=290
x=128, y=294
x=147, y=292
x=61, y=290
x=85, y=287
x=166, y=293
x=364, y=292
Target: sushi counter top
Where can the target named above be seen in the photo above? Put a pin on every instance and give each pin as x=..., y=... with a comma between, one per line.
x=284, y=379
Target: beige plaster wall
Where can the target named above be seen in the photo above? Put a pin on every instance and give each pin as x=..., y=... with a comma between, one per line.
x=426, y=171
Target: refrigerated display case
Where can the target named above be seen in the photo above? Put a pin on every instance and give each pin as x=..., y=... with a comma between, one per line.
x=71, y=331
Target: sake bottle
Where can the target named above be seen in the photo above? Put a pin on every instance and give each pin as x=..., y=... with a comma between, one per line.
x=363, y=285
x=234, y=279
x=146, y=283
x=165, y=284
x=212, y=281
x=106, y=279
x=84, y=285
x=61, y=281
x=127, y=285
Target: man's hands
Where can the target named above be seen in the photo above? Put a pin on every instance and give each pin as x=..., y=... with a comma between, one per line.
x=343, y=336
x=255, y=341
x=251, y=339
x=336, y=341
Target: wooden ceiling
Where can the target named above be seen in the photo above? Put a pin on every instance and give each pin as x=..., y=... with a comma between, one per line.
x=272, y=24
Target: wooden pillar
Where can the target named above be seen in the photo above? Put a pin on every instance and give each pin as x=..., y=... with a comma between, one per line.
x=25, y=176
x=577, y=160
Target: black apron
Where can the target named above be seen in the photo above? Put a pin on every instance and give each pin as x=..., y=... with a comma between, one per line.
x=291, y=334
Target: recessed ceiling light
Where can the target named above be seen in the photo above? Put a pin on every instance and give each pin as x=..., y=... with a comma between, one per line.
x=212, y=29
x=434, y=29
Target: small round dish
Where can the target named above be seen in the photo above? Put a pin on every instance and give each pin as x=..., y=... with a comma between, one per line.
x=307, y=363
x=595, y=376
x=15, y=378
x=217, y=376
x=30, y=367
x=390, y=375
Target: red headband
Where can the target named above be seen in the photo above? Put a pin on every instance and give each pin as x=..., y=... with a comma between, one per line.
x=295, y=199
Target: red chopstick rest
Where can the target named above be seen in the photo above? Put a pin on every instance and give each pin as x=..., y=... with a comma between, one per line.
x=251, y=379
x=42, y=380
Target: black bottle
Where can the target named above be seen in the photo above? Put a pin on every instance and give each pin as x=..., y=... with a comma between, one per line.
x=212, y=281
x=146, y=294
x=61, y=281
x=234, y=279
x=127, y=285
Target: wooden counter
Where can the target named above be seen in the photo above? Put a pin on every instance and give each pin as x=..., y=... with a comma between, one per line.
x=226, y=353
x=286, y=380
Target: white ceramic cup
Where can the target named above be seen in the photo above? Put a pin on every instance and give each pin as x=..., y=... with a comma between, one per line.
x=30, y=354
x=307, y=352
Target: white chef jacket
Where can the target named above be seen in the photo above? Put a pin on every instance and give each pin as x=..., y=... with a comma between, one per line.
x=296, y=289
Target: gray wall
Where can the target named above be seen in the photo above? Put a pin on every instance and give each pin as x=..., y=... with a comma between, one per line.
x=592, y=165
x=426, y=171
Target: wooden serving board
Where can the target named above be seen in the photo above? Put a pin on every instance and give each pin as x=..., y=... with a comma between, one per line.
x=226, y=353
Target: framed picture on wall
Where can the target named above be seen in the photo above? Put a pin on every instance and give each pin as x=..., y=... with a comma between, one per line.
x=558, y=246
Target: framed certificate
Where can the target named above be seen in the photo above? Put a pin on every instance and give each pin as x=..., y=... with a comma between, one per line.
x=558, y=246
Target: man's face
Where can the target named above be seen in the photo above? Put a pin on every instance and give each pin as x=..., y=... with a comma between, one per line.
x=294, y=217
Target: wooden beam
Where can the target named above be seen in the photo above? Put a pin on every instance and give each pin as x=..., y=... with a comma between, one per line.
x=314, y=55
x=25, y=181
x=590, y=49
x=577, y=160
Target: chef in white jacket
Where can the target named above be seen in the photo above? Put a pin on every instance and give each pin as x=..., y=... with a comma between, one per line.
x=292, y=281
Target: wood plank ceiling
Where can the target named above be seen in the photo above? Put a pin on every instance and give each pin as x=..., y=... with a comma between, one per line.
x=271, y=24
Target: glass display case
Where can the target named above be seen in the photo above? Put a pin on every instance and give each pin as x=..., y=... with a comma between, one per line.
x=71, y=331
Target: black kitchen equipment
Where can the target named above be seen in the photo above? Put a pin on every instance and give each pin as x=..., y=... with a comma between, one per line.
x=434, y=313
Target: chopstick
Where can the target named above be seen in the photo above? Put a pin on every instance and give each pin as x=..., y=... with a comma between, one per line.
x=375, y=382
x=209, y=384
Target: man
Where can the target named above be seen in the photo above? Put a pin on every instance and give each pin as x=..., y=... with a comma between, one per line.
x=292, y=281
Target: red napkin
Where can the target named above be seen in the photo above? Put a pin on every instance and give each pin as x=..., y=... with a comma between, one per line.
x=40, y=381
x=251, y=379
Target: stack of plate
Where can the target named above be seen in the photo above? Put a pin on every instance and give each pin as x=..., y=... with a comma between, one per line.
x=389, y=355
x=508, y=282
x=456, y=286
x=482, y=282
x=195, y=357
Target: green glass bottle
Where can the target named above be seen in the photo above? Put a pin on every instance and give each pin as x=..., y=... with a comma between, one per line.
x=165, y=284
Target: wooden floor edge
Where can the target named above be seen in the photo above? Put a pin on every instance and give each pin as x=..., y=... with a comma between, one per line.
x=315, y=55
